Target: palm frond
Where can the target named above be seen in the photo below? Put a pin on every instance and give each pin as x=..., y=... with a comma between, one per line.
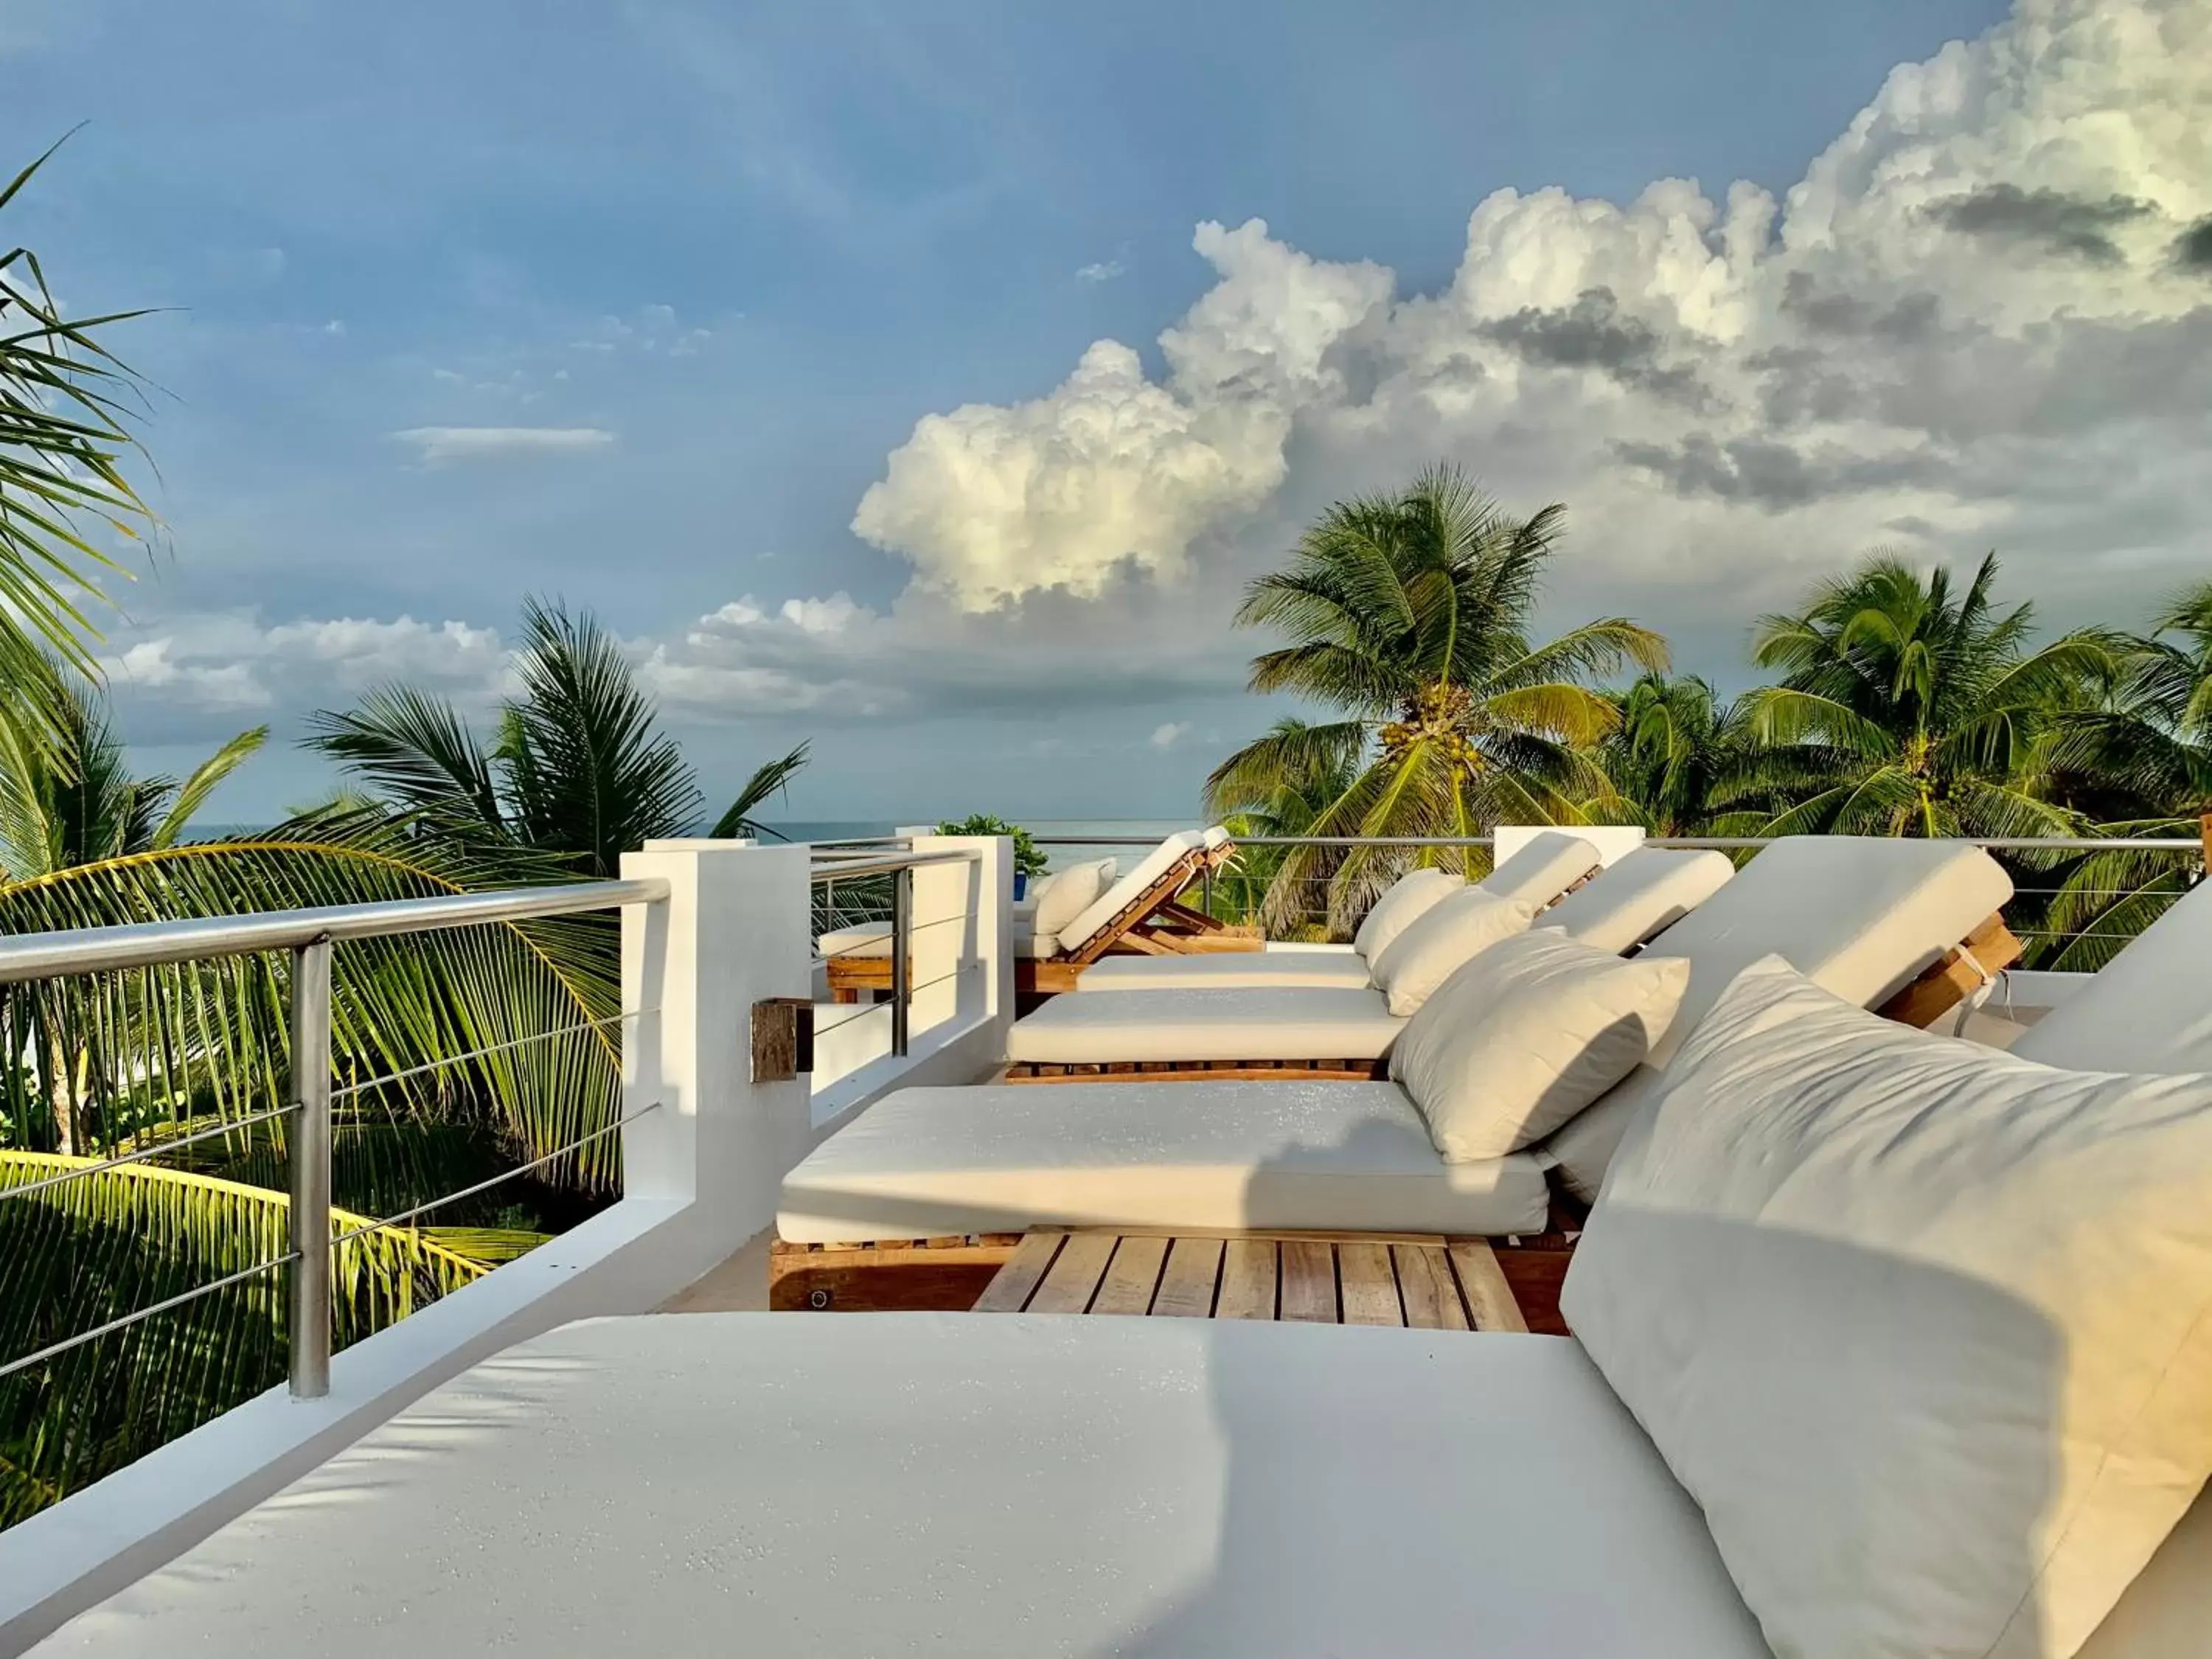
x=772, y=779
x=77, y=1255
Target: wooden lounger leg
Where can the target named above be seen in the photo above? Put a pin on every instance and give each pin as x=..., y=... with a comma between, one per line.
x=1982, y=954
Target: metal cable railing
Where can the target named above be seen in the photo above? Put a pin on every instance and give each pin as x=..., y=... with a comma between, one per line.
x=309, y=935
x=503, y=1176
x=899, y=868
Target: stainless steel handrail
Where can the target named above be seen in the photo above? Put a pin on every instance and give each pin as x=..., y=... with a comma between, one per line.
x=148, y=944
x=308, y=935
x=841, y=869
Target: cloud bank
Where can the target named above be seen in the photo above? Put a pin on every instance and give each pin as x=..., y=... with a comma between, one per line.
x=1984, y=317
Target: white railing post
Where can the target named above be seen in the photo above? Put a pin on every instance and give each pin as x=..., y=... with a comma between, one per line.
x=309, y=1135
x=962, y=945
x=732, y=932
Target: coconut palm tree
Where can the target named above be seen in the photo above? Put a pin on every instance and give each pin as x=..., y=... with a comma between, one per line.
x=458, y=1055
x=2143, y=755
x=579, y=770
x=62, y=445
x=1286, y=797
x=67, y=796
x=1683, y=761
x=1409, y=614
x=1907, y=708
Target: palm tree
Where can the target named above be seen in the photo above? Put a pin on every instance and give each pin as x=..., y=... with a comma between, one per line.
x=1285, y=798
x=457, y=1055
x=66, y=793
x=62, y=443
x=1908, y=709
x=1682, y=759
x=67, y=799
x=2143, y=756
x=580, y=769
x=1409, y=614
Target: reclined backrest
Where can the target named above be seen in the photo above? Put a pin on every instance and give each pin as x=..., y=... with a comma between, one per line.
x=1638, y=896
x=1175, y=849
x=1860, y=916
x=2149, y=1009
x=1542, y=869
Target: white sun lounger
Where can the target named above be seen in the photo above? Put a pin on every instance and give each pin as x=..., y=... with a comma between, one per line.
x=1820, y=884
x=1140, y=911
x=2149, y=1009
x=1218, y=1010
x=999, y=1487
x=878, y=1486
x=1862, y=918
x=1640, y=893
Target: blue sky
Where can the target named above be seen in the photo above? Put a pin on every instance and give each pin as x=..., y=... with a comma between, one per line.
x=631, y=304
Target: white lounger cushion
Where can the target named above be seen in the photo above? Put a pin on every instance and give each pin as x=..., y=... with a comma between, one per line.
x=1267, y=1023
x=2147, y=1010
x=995, y=1487
x=1185, y=845
x=1860, y=916
x=1527, y=1035
x=1442, y=940
x=1925, y=1328
x=867, y=939
x=1549, y=864
x=1342, y=969
x=1635, y=896
x=1067, y=894
x=1402, y=903
x=1352, y=1156
x=1638, y=895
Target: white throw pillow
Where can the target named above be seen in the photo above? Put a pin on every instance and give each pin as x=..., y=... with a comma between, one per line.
x=1525, y=1035
x=1442, y=939
x=1403, y=902
x=1065, y=895
x=1924, y=1329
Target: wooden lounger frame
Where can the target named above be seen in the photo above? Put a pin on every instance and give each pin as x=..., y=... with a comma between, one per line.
x=1509, y=1284
x=1964, y=970
x=951, y=1273
x=1154, y=923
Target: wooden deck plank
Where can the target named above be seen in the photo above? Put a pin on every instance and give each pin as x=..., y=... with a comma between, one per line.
x=1130, y=1279
x=1369, y=1289
x=1248, y=1279
x=1490, y=1301
x=1425, y=1282
x=1010, y=1291
x=1308, y=1292
x=1074, y=1274
x=1187, y=1287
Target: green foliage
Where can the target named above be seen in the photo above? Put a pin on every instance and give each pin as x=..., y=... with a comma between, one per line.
x=1905, y=708
x=580, y=769
x=75, y=1256
x=1409, y=614
x=63, y=441
x=1029, y=861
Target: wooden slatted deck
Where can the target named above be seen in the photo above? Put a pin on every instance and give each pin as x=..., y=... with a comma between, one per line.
x=1419, y=1280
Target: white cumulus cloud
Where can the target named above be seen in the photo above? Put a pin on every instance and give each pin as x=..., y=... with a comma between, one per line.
x=1983, y=316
